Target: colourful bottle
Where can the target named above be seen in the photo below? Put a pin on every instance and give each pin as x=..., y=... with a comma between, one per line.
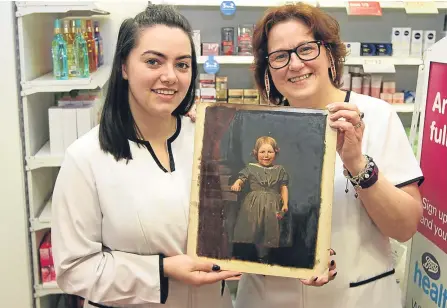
x=99, y=44
x=81, y=52
x=92, y=58
x=59, y=53
x=69, y=38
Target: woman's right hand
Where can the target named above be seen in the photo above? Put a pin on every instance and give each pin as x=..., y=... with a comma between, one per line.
x=189, y=271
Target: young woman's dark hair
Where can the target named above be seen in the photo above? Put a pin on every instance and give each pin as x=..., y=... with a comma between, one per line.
x=117, y=124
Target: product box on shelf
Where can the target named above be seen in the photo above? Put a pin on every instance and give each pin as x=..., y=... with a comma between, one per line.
x=207, y=81
x=429, y=38
x=235, y=96
x=46, y=259
x=197, y=42
x=210, y=49
x=353, y=48
x=251, y=96
x=71, y=119
x=417, y=39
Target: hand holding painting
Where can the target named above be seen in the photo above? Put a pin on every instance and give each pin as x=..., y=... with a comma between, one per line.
x=187, y=270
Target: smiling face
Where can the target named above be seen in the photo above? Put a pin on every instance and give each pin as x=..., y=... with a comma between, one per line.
x=266, y=155
x=158, y=70
x=299, y=80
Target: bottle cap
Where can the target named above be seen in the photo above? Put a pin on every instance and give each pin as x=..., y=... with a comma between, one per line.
x=57, y=23
x=78, y=23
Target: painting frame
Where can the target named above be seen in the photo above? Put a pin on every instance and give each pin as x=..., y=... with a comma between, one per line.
x=323, y=240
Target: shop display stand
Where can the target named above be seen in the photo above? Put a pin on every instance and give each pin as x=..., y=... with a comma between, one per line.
x=35, y=28
x=38, y=87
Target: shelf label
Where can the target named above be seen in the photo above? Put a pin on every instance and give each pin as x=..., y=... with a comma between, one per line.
x=228, y=8
x=211, y=66
x=420, y=7
x=364, y=8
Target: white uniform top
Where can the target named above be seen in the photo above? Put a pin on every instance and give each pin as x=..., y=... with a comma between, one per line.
x=111, y=220
x=363, y=252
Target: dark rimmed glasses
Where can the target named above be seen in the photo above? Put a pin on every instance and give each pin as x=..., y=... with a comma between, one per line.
x=306, y=52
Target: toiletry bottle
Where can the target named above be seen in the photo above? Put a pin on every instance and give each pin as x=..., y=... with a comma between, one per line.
x=59, y=53
x=81, y=52
x=92, y=59
x=69, y=38
x=99, y=45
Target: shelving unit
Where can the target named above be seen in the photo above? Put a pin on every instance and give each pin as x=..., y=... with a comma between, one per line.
x=34, y=31
x=268, y=3
x=38, y=89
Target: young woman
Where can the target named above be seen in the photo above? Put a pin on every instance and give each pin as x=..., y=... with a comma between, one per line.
x=298, y=62
x=121, y=200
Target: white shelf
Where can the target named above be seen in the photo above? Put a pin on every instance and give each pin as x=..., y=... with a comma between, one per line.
x=47, y=288
x=78, y=8
x=403, y=108
x=349, y=60
x=47, y=83
x=43, y=221
x=43, y=159
x=270, y=3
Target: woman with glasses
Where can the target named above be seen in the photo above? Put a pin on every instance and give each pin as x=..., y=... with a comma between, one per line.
x=298, y=62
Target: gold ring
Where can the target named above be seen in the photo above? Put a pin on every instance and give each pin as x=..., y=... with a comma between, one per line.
x=358, y=125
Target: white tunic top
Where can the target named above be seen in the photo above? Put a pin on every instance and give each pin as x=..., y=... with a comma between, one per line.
x=111, y=220
x=363, y=252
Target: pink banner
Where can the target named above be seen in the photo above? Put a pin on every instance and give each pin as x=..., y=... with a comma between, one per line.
x=434, y=159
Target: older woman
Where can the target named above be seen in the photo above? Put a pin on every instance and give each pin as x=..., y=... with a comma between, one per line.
x=298, y=62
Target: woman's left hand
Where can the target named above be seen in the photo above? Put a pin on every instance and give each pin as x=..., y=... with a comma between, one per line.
x=192, y=113
x=348, y=120
x=322, y=280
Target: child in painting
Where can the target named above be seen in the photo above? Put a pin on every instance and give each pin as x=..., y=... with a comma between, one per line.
x=264, y=206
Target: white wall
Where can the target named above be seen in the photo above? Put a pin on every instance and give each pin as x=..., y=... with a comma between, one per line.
x=15, y=284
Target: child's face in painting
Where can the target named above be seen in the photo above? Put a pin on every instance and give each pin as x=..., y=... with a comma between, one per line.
x=266, y=155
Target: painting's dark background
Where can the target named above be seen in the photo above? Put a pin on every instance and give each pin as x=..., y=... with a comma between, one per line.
x=230, y=134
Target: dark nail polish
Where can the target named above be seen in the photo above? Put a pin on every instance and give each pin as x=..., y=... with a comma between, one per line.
x=316, y=278
x=335, y=274
x=332, y=263
x=216, y=268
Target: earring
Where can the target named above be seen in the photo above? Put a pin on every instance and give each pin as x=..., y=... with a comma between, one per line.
x=333, y=71
x=267, y=85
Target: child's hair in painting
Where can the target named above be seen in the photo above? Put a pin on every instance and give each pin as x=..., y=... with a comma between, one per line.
x=265, y=140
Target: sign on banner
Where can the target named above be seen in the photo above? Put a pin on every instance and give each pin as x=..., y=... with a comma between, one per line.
x=427, y=280
x=433, y=160
x=228, y=8
x=363, y=8
x=211, y=66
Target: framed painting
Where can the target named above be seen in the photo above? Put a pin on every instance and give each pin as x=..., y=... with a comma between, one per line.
x=262, y=189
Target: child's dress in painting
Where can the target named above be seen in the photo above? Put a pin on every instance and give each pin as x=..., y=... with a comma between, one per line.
x=257, y=222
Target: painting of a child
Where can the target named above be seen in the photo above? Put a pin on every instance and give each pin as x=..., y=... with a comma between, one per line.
x=260, y=216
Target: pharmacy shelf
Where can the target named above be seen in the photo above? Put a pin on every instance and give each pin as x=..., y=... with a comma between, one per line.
x=43, y=221
x=47, y=83
x=78, y=8
x=349, y=60
x=403, y=108
x=47, y=288
x=43, y=159
x=270, y=3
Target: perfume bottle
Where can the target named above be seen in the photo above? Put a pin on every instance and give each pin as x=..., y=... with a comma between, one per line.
x=99, y=44
x=59, y=53
x=69, y=38
x=88, y=36
x=81, y=52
